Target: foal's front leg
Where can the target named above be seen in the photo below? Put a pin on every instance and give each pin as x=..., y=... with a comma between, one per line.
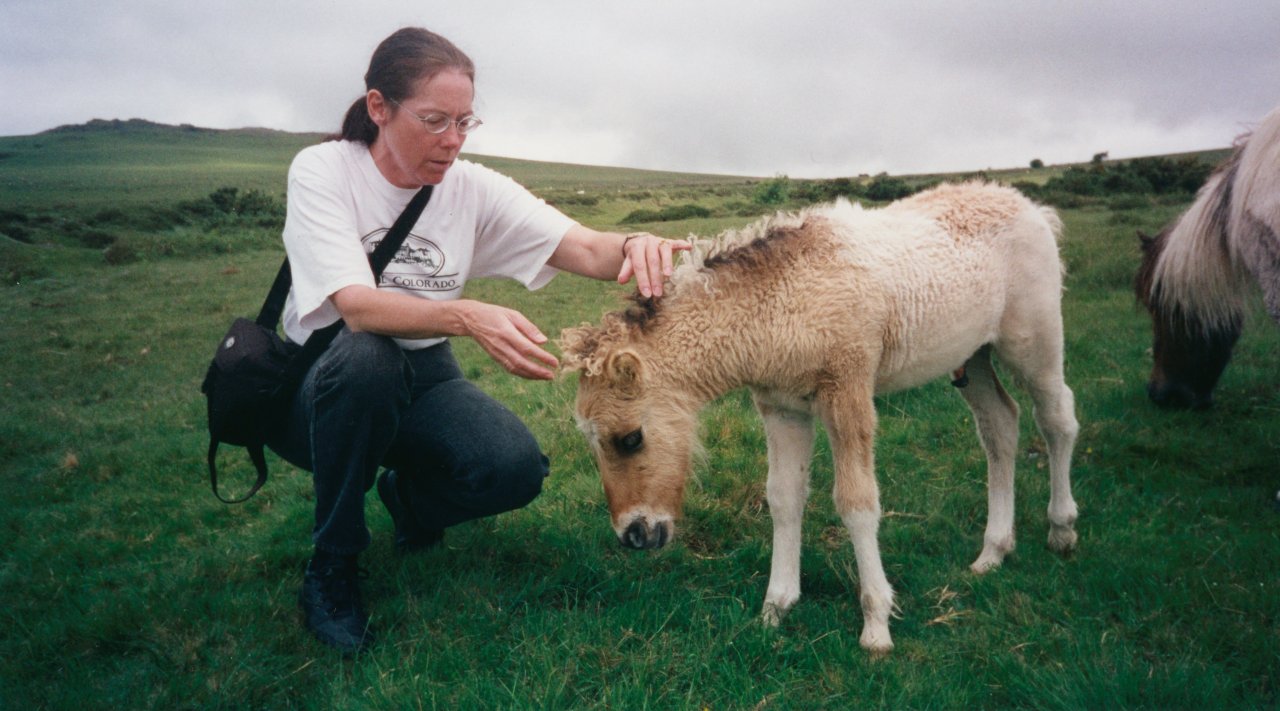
x=850, y=417
x=789, y=434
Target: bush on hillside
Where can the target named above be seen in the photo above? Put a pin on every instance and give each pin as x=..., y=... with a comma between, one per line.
x=814, y=191
x=672, y=213
x=1158, y=176
x=773, y=192
x=885, y=188
x=230, y=204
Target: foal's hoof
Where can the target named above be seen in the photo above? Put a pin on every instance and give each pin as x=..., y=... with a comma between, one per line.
x=994, y=551
x=1062, y=540
x=877, y=642
x=985, y=564
x=772, y=615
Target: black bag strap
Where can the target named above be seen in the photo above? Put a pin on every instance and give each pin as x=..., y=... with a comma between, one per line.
x=269, y=314
x=381, y=256
x=257, y=454
x=318, y=341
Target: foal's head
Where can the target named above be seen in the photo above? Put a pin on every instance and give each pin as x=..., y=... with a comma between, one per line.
x=640, y=429
x=1189, y=355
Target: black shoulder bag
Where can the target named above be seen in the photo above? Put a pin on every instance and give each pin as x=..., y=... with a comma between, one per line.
x=255, y=373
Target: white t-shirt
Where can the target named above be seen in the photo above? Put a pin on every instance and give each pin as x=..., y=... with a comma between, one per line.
x=478, y=223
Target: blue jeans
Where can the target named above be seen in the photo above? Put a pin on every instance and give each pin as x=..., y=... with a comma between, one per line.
x=365, y=403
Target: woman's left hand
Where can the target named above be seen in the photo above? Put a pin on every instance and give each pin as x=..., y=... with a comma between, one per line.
x=650, y=259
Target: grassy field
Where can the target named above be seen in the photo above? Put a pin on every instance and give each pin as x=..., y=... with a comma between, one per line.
x=125, y=584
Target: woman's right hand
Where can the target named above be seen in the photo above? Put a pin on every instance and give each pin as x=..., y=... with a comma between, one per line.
x=505, y=334
x=509, y=338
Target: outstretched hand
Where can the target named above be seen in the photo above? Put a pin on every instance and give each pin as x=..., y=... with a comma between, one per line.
x=511, y=340
x=650, y=259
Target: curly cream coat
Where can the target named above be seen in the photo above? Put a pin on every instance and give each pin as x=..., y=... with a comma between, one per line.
x=817, y=313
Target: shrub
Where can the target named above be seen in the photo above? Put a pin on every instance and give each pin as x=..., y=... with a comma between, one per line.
x=583, y=200
x=884, y=188
x=667, y=214
x=774, y=192
x=1141, y=176
x=146, y=219
x=118, y=253
x=16, y=225
x=814, y=191
x=89, y=236
x=1126, y=182
x=1077, y=181
x=230, y=204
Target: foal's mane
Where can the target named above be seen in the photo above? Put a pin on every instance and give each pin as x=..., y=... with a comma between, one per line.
x=752, y=247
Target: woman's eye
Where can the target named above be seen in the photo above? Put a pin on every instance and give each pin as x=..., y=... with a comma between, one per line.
x=629, y=443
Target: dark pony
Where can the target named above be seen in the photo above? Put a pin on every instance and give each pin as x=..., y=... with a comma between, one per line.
x=1196, y=274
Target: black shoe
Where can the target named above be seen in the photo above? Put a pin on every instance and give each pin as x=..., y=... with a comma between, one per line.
x=330, y=602
x=410, y=535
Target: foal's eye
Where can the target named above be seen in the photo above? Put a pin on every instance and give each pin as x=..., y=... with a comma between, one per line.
x=629, y=443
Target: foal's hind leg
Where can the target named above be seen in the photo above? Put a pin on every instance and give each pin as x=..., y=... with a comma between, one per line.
x=789, y=434
x=996, y=416
x=1038, y=362
x=1055, y=416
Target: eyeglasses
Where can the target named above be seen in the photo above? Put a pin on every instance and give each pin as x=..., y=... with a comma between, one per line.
x=437, y=123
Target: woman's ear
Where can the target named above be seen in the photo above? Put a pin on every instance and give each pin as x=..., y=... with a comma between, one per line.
x=378, y=106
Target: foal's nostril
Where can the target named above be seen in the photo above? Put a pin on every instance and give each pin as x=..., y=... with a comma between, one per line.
x=663, y=534
x=640, y=535
x=636, y=535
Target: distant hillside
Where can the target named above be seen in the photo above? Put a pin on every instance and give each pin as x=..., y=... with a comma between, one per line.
x=112, y=162
x=143, y=126
x=148, y=162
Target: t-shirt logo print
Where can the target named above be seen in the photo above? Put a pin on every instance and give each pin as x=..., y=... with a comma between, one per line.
x=427, y=257
x=418, y=266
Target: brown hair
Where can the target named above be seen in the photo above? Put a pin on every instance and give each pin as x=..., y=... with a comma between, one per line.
x=402, y=59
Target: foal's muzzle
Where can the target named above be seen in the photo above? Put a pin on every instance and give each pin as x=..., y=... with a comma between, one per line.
x=641, y=534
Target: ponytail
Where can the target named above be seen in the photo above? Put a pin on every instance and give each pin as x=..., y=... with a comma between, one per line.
x=357, y=125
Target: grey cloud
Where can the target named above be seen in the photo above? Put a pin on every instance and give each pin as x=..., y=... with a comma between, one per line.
x=813, y=89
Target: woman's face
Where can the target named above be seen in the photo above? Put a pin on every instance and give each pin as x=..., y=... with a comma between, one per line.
x=406, y=153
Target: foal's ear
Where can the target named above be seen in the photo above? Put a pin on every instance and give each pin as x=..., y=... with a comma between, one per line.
x=625, y=371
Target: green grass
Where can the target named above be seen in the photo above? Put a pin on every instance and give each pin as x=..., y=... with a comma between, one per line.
x=125, y=584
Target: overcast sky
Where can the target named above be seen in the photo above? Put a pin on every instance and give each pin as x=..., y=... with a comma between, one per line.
x=806, y=88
